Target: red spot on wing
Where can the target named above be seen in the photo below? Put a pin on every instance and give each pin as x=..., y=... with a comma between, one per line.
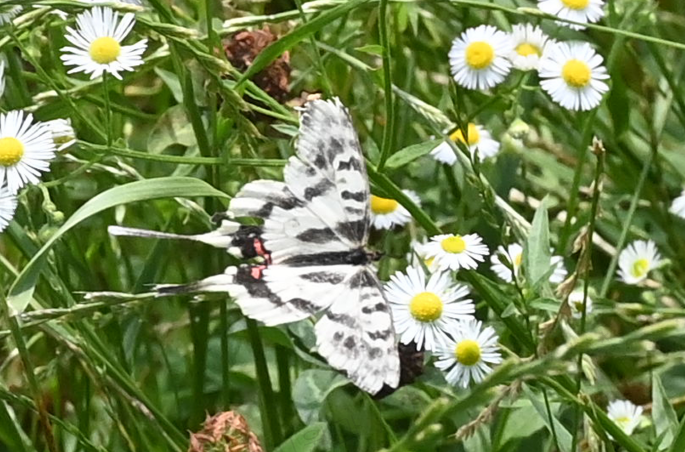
x=256, y=271
x=260, y=250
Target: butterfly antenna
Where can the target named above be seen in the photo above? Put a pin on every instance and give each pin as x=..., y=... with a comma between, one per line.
x=134, y=232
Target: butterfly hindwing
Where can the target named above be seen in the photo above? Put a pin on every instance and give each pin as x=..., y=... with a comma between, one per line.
x=356, y=335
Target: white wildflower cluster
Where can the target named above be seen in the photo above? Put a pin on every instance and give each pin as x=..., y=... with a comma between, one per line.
x=572, y=73
x=27, y=146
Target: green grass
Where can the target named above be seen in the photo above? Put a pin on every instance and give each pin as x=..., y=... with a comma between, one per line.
x=167, y=147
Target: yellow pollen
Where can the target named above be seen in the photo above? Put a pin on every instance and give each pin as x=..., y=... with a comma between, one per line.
x=472, y=132
x=383, y=205
x=479, y=55
x=576, y=4
x=526, y=49
x=640, y=268
x=467, y=352
x=576, y=73
x=426, y=307
x=104, y=50
x=454, y=245
x=517, y=259
x=11, y=151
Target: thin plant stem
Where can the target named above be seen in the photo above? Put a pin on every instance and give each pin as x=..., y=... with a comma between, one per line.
x=388, y=130
x=108, y=108
x=586, y=262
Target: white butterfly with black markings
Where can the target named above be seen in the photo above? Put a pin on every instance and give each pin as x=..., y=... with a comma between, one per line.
x=312, y=242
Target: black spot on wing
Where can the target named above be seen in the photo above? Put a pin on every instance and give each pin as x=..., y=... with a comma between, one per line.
x=349, y=343
x=378, y=307
x=356, y=195
x=320, y=161
x=362, y=279
x=317, y=235
x=334, y=148
x=375, y=353
x=343, y=319
x=317, y=190
x=352, y=230
x=324, y=277
x=352, y=164
x=257, y=288
x=380, y=335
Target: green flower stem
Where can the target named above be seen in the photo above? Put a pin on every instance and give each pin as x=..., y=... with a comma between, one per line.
x=389, y=129
x=268, y=409
x=609, y=276
x=124, y=152
x=586, y=263
x=108, y=108
x=586, y=138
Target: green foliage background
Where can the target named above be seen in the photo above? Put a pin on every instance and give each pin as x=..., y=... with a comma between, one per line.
x=188, y=130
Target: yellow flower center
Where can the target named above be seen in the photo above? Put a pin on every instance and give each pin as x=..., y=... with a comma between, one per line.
x=526, y=49
x=104, y=50
x=467, y=352
x=472, y=132
x=426, y=307
x=479, y=55
x=454, y=245
x=576, y=73
x=11, y=151
x=576, y=4
x=640, y=268
x=517, y=259
x=383, y=205
x=429, y=261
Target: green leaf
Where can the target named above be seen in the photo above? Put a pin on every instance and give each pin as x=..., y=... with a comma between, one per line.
x=299, y=34
x=305, y=440
x=521, y=423
x=410, y=153
x=663, y=414
x=373, y=49
x=311, y=389
x=21, y=291
x=679, y=443
x=536, y=255
x=563, y=435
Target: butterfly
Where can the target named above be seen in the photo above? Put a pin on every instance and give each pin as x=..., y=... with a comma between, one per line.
x=312, y=251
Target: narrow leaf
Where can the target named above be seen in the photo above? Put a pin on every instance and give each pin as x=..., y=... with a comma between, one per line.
x=665, y=418
x=164, y=187
x=410, y=153
x=536, y=255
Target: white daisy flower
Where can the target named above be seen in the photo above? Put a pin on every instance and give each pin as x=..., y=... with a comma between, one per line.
x=386, y=212
x=575, y=302
x=417, y=255
x=478, y=139
x=8, y=12
x=575, y=10
x=637, y=260
x=572, y=74
x=455, y=251
x=8, y=205
x=625, y=414
x=62, y=133
x=530, y=43
x=424, y=311
x=678, y=206
x=469, y=356
x=98, y=38
x=2, y=76
x=25, y=150
x=478, y=58
x=514, y=254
